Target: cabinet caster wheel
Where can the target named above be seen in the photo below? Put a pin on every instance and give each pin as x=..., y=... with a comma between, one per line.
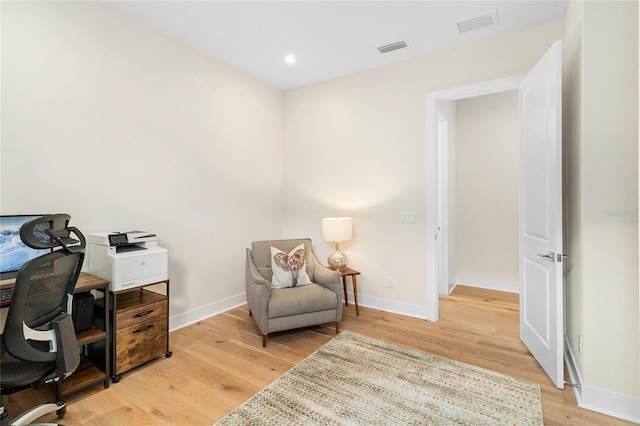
x=115, y=379
x=168, y=354
x=61, y=412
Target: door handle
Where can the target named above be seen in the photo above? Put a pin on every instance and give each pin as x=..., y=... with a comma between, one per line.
x=551, y=256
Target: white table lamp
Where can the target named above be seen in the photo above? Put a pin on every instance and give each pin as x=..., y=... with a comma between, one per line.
x=337, y=229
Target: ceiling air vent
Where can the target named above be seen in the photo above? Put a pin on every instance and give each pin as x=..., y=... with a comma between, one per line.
x=392, y=46
x=478, y=22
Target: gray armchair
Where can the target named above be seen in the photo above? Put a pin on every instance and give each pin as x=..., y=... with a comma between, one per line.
x=277, y=309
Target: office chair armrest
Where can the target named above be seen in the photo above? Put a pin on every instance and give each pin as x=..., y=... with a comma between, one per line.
x=67, y=346
x=61, y=338
x=48, y=336
x=35, y=352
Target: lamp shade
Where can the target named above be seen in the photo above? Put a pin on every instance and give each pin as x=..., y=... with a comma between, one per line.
x=336, y=229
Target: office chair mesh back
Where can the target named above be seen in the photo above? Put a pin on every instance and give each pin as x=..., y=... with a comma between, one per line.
x=41, y=297
x=50, y=279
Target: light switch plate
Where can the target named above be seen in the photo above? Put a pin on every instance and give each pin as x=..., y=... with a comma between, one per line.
x=407, y=217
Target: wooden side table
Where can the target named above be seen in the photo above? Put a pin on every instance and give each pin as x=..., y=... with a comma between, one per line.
x=348, y=272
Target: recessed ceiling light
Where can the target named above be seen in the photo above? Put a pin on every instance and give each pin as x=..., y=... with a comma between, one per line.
x=290, y=59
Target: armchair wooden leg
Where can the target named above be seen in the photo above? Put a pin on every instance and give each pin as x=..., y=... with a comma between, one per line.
x=250, y=313
x=264, y=340
x=337, y=327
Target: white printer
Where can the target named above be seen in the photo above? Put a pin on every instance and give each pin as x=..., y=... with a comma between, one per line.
x=127, y=259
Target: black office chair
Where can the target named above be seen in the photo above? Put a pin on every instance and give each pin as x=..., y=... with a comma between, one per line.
x=38, y=344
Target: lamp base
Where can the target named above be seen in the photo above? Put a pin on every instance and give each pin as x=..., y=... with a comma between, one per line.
x=337, y=261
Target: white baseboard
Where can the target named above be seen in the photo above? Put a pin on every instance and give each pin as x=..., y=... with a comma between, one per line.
x=402, y=308
x=611, y=403
x=204, y=312
x=490, y=284
x=182, y=320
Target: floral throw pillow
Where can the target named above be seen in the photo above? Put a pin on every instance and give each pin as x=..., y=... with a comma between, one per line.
x=289, y=270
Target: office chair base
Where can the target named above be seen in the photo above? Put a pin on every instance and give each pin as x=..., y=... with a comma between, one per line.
x=28, y=417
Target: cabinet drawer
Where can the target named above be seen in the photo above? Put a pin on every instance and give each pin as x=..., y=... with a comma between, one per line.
x=141, y=313
x=140, y=343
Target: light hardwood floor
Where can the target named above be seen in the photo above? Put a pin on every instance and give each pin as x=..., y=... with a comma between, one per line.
x=219, y=363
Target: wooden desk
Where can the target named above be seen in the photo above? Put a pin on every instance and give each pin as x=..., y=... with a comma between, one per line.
x=92, y=370
x=348, y=272
x=85, y=282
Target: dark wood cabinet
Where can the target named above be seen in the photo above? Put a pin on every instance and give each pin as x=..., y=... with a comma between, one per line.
x=139, y=324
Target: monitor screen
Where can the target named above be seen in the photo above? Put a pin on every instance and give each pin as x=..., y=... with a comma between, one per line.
x=13, y=252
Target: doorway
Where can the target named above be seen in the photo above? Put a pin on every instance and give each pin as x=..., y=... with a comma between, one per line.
x=483, y=192
x=437, y=182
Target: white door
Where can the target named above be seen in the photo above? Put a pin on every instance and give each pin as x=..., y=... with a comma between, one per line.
x=541, y=290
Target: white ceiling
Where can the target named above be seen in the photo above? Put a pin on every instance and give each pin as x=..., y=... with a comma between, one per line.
x=329, y=38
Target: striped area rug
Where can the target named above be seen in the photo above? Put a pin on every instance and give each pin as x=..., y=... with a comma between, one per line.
x=358, y=380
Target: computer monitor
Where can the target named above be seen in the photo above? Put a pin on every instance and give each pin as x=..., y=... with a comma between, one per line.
x=13, y=252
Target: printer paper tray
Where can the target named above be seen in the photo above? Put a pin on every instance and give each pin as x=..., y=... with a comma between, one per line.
x=127, y=249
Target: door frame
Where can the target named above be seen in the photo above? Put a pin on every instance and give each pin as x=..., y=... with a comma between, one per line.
x=443, y=200
x=438, y=188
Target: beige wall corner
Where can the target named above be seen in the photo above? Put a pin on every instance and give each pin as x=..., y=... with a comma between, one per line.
x=601, y=186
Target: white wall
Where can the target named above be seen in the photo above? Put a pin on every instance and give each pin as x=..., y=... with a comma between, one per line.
x=609, y=156
x=357, y=146
x=486, y=193
x=124, y=128
x=601, y=187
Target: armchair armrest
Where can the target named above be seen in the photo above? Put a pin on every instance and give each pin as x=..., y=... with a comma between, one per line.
x=324, y=275
x=252, y=273
x=327, y=277
x=258, y=291
x=330, y=279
